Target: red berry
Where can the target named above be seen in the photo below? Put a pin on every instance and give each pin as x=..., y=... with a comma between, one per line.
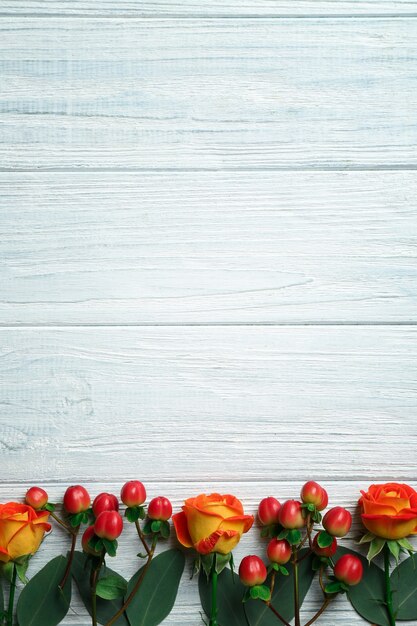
x=87, y=535
x=268, y=511
x=76, y=499
x=105, y=502
x=252, y=571
x=329, y=551
x=279, y=551
x=133, y=493
x=349, y=569
x=324, y=501
x=291, y=515
x=36, y=497
x=160, y=509
x=312, y=493
x=337, y=521
x=108, y=525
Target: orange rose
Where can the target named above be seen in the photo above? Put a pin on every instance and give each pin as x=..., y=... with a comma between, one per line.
x=389, y=511
x=213, y=523
x=21, y=530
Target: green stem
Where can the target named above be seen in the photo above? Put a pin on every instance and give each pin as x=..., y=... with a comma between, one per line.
x=214, y=578
x=388, y=590
x=9, y=619
x=296, y=588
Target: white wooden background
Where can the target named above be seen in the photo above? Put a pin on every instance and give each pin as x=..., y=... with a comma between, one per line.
x=208, y=251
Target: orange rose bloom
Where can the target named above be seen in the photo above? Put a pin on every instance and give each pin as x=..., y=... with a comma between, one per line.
x=213, y=523
x=21, y=530
x=389, y=511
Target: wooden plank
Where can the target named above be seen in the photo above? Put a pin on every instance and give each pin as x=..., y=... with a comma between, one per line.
x=208, y=403
x=127, y=248
x=193, y=8
x=208, y=94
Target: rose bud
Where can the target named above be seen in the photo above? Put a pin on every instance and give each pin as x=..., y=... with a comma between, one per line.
x=313, y=493
x=337, y=521
x=133, y=493
x=108, y=525
x=252, y=571
x=329, y=551
x=349, y=569
x=160, y=509
x=268, y=511
x=36, y=497
x=76, y=499
x=279, y=551
x=291, y=515
x=87, y=535
x=105, y=502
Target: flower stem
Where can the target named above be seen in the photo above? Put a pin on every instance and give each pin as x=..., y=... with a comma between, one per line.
x=296, y=588
x=275, y=612
x=61, y=522
x=142, y=537
x=9, y=619
x=70, y=557
x=319, y=612
x=93, y=582
x=214, y=578
x=388, y=590
x=137, y=585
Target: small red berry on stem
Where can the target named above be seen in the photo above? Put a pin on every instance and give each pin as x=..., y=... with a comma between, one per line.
x=105, y=502
x=160, y=509
x=337, y=521
x=291, y=515
x=349, y=569
x=328, y=552
x=133, y=493
x=268, y=511
x=87, y=536
x=36, y=497
x=252, y=571
x=279, y=551
x=313, y=493
x=76, y=499
x=108, y=525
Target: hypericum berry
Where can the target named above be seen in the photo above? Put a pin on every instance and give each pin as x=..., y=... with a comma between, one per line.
x=337, y=521
x=76, y=499
x=160, y=509
x=105, y=502
x=133, y=493
x=36, y=497
x=268, y=511
x=329, y=551
x=252, y=571
x=313, y=493
x=324, y=501
x=291, y=515
x=279, y=551
x=108, y=525
x=349, y=569
x=87, y=535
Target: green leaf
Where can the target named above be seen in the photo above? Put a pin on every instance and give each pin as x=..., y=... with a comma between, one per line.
x=156, y=596
x=403, y=582
x=49, y=507
x=293, y=537
x=81, y=570
x=406, y=545
x=156, y=526
x=367, y=538
x=165, y=530
x=283, y=570
x=111, y=586
x=324, y=540
x=230, y=594
x=76, y=520
x=132, y=513
x=375, y=547
x=110, y=546
x=367, y=598
x=42, y=602
x=334, y=587
x=283, y=534
x=260, y=592
x=394, y=548
x=21, y=569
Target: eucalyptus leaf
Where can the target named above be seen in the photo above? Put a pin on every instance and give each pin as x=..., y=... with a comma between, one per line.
x=368, y=598
x=403, y=583
x=157, y=593
x=42, y=602
x=81, y=569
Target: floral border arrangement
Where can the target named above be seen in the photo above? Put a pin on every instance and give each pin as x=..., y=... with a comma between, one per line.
x=302, y=549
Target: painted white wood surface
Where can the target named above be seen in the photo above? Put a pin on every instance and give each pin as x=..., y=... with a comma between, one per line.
x=204, y=94
x=193, y=8
x=208, y=247
x=185, y=316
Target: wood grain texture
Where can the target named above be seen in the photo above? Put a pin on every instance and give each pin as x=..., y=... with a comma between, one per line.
x=208, y=94
x=194, y=8
x=219, y=402
x=87, y=248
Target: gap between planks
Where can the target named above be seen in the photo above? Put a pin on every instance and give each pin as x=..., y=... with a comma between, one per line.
x=213, y=16
x=410, y=324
